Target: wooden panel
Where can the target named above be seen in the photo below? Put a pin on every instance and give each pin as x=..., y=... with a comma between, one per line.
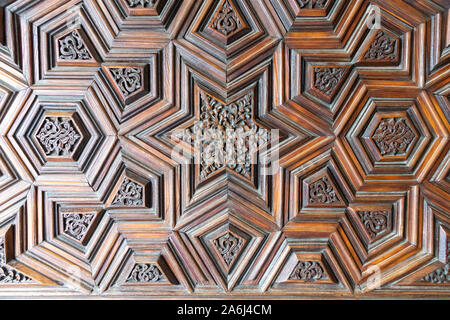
x=217, y=148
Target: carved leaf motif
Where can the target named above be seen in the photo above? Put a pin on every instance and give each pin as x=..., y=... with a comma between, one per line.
x=441, y=275
x=130, y=194
x=72, y=47
x=226, y=135
x=141, y=3
x=58, y=136
x=322, y=191
x=375, y=222
x=129, y=80
x=145, y=272
x=307, y=271
x=76, y=224
x=327, y=79
x=312, y=4
x=227, y=20
x=393, y=136
x=229, y=246
x=383, y=47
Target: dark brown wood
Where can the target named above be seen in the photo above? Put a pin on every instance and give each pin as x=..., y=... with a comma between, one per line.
x=100, y=105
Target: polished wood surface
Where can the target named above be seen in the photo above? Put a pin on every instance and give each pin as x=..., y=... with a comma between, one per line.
x=99, y=196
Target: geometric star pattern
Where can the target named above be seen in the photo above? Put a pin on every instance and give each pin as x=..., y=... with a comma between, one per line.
x=349, y=101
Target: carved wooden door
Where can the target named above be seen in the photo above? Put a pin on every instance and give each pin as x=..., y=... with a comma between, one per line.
x=217, y=148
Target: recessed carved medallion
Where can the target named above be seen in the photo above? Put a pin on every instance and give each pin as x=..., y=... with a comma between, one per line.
x=327, y=79
x=307, y=271
x=375, y=222
x=229, y=247
x=226, y=20
x=58, y=136
x=76, y=224
x=312, y=4
x=322, y=192
x=382, y=48
x=145, y=272
x=393, y=136
x=72, y=47
x=128, y=80
x=130, y=194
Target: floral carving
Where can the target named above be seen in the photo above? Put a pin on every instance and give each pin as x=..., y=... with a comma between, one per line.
x=383, y=47
x=393, y=136
x=71, y=47
x=7, y=274
x=130, y=194
x=312, y=4
x=441, y=275
x=10, y=275
x=375, y=222
x=229, y=246
x=227, y=20
x=145, y=272
x=77, y=224
x=322, y=191
x=307, y=271
x=226, y=135
x=58, y=136
x=141, y=3
x=327, y=79
x=129, y=80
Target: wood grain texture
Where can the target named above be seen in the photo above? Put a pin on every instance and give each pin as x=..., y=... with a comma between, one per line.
x=94, y=202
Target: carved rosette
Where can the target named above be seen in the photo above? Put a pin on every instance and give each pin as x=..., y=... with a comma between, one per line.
x=76, y=224
x=307, y=271
x=58, y=136
x=327, y=79
x=393, y=136
x=145, y=272
x=322, y=192
x=375, y=222
x=226, y=135
x=141, y=3
x=382, y=48
x=229, y=247
x=226, y=20
x=312, y=4
x=128, y=80
x=72, y=47
x=130, y=194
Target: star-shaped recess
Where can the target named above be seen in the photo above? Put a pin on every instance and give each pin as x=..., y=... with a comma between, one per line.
x=224, y=136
